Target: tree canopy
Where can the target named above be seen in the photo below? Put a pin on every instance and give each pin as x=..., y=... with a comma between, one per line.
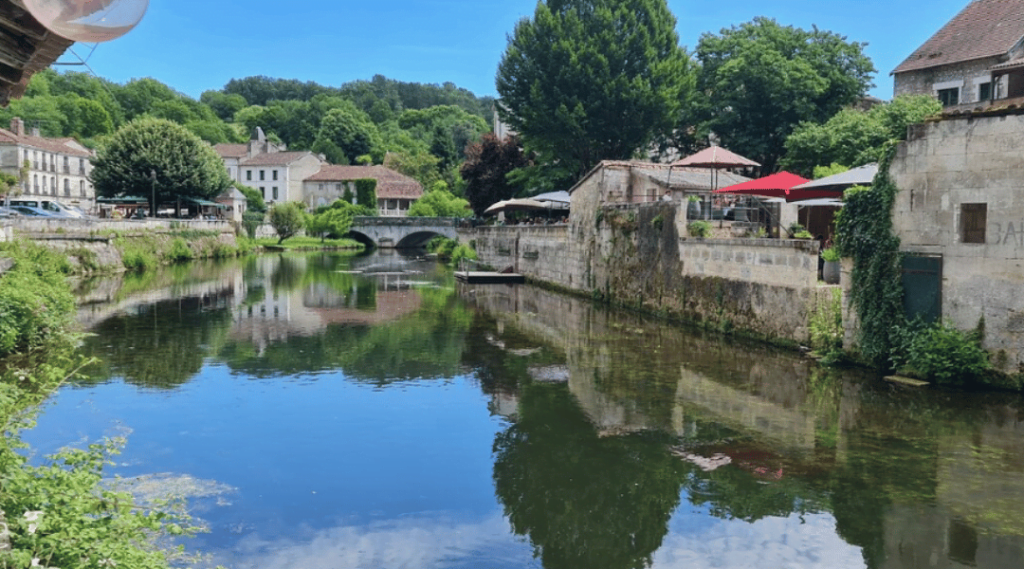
x=854, y=137
x=287, y=218
x=760, y=79
x=584, y=81
x=439, y=202
x=486, y=169
x=184, y=166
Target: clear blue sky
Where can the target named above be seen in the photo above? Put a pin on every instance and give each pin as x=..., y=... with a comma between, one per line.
x=196, y=45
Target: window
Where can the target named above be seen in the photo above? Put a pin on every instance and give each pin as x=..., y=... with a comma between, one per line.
x=274, y=175
x=35, y=182
x=973, y=218
x=44, y=184
x=81, y=166
x=67, y=187
x=949, y=97
x=35, y=159
x=985, y=91
x=275, y=192
x=248, y=175
x=263, y=175
x=81, y=188
x=53, y=185
x=263, y=192
x=67, y=166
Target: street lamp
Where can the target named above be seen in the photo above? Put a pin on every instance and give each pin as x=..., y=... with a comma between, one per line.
x=152, y=207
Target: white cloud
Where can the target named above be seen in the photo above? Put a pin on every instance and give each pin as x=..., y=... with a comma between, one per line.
x=779, y=543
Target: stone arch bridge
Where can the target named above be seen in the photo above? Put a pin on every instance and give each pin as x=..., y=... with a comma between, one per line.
x=401, y=232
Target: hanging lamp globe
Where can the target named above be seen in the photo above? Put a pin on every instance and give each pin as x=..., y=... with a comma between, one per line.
x=88, y=21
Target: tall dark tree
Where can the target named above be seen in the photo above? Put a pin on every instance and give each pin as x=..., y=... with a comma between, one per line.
x=486, y=170
x=759, y=80
x=590, y=80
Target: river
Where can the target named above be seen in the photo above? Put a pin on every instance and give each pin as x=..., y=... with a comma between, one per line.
x=319, y=410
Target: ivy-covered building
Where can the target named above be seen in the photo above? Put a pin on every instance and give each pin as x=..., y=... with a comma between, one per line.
x=394, y=191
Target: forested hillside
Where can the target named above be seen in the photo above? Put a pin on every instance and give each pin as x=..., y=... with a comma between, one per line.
x=419, y=129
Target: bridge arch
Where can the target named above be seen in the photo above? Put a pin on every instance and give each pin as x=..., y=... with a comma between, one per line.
x=401, y=232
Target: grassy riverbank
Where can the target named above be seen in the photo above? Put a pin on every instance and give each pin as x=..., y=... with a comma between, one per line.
x=59, y=513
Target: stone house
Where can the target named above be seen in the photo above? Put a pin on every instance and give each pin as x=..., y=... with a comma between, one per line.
x=395, y=191
x=57, y=167
x=279, y=176
x=960, y=217
x=977, y=57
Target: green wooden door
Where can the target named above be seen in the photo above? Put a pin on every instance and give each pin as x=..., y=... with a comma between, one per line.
x=922, y=287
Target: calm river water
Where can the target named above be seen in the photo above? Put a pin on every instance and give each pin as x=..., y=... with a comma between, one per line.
x=322, y=411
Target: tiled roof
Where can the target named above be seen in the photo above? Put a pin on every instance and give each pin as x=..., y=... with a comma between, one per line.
x=55, y=145
x=232, y=150
x=984, y=28
x=275, y=158
x=390, y=184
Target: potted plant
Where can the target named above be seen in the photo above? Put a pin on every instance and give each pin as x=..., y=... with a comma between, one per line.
x=830, y=270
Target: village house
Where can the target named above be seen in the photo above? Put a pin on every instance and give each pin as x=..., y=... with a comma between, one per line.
x=395, y=191
x=57, y=167
x=977, y=57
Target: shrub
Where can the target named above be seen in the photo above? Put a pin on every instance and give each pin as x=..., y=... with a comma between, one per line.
x=699, y=229
x=803, y=234
x=826, y=325
x=830, y=255
x=462, y=251
x=251, y=220
x=179, y=251
x=35, y=301
x=946, y=355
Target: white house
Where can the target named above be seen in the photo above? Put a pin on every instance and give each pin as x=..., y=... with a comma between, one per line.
x=57, y=167
x=395, y=191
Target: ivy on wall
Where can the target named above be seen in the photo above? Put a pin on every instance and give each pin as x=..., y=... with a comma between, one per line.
x=366, y=192
x=864, y=233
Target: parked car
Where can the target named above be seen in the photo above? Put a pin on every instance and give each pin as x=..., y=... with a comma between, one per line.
x=28, y=211
x=8, y=212
x=52, y=206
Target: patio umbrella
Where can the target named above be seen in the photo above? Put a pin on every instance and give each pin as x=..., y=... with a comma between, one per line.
x=836, y=184
x=715, y=158
x=778, y=185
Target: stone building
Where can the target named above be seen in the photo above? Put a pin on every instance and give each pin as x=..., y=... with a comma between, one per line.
x=977, y=57
x=57, y=167
x=269, y=167
x=960, y=216
x=395, y=191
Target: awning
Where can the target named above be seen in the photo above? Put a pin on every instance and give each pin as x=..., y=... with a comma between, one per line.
x=122, y=200
x=838, y=183
x=774, y=186
x=523, y=204
x=206, y=203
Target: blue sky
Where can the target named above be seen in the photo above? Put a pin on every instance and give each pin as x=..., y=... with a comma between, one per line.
x=196, y=45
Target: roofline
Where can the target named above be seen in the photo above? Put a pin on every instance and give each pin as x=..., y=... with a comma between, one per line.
x=958, y=62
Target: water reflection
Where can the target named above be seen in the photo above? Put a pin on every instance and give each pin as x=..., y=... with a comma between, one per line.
x=510, y=426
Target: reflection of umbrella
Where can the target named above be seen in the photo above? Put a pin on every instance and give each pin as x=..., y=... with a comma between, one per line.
x=714, y=157
x=774, y=186
x=838, y=183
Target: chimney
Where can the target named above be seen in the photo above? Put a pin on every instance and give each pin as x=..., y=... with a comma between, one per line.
x=18, y=126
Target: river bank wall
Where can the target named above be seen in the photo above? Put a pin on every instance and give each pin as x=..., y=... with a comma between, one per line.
x=102, y=245
x=638, y=255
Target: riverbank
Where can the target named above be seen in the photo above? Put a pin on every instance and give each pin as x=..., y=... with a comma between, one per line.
x=58, y=512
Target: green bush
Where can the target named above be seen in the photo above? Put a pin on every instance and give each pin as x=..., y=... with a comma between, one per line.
x=179, y=251
x=35, y=301
x=945, y=355
x=803, y=234
x=699, y=229
x=826, y=325
x=462, y=251
x=251, y=220
x=830, y=255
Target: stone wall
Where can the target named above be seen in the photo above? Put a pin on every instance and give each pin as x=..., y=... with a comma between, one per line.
x=633, y=255
x=940, y=168
x=966, y=74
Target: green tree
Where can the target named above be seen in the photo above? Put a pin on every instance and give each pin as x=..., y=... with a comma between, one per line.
x=347, y=133
x=184, y=165
x=287, y=219
x=439, y=202
x=253, y=198
x=854, y=137
x=331, y=220
x=585, y=81
x=759, y=80
x=486, y=169
x=223, y=105
x=138, y=96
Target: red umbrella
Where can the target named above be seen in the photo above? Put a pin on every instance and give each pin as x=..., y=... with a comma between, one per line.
x=774, y=186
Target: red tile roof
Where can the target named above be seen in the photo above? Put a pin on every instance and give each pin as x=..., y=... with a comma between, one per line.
x=232, y=150
x=390, y=184
x=984, y=28
x=55, y=145
x=275, y=158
